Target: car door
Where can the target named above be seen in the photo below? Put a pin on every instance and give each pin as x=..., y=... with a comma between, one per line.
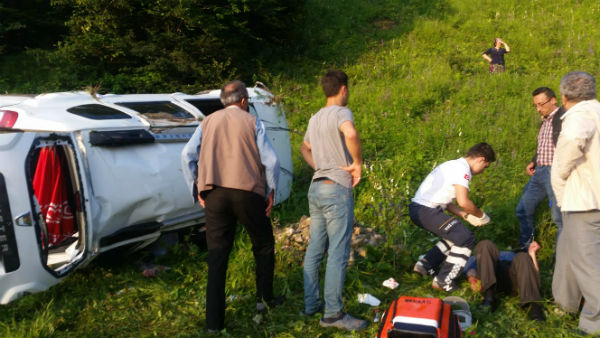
x=39, y=249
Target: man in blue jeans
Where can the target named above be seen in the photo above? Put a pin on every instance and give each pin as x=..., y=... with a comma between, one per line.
x=539, y=187
x=332, y=148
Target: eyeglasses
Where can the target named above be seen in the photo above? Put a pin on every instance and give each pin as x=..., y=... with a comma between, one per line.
x=535, y=105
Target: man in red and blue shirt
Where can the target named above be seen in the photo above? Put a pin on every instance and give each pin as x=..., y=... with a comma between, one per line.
x=539, y=187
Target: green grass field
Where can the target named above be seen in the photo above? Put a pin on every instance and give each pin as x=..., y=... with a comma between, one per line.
x=421, y=94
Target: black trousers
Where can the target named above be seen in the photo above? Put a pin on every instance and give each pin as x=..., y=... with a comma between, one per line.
x=519, y=275
x=224, y=207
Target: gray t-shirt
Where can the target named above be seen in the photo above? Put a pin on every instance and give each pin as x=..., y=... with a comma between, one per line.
x=328, y=144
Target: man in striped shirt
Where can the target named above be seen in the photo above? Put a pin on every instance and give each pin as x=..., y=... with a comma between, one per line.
x=539, y=187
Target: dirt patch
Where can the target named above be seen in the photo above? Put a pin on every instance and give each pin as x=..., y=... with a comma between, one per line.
x=296, y=236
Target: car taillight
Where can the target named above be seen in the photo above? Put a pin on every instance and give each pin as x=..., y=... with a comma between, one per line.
x=8, y=118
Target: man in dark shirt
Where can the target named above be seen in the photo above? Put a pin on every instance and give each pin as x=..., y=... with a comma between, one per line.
x=539, y=187
x=495, y=55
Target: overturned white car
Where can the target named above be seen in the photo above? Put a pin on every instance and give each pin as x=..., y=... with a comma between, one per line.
x=81, y=174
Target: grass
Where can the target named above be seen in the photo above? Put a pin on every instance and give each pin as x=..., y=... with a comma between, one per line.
x=421, y=94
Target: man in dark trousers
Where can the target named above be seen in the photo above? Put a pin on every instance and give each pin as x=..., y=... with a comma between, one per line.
x=233, y=167
x=506, y=271
x=539, y=187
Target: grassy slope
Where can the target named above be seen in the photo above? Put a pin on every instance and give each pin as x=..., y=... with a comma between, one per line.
x=421, y=95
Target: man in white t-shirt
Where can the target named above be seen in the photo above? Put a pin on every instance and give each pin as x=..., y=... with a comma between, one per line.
x=447, y=183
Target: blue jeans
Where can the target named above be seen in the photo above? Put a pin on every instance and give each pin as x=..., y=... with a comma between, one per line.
x=331, y=222
x=535, y=191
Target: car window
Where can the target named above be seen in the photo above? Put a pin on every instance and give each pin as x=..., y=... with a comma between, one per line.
x=206, y=106
x=160, y=110
x=98, y=112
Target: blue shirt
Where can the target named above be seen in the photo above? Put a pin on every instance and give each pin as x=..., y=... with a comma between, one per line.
x=506, y=256
x=268, y=158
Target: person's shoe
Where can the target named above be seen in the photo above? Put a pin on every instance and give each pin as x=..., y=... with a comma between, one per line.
x=318, y=310
x=488, y=300
x=344, y=321
x=443, y=287
x=262, y=307
x=422, y=268
x=535, y=311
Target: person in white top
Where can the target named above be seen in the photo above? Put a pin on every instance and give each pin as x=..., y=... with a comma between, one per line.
x=575, y=180
x=447, y=183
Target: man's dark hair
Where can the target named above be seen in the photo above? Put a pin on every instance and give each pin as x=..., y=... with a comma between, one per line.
x=482, y=150
x=233, y=92
x=545, y=90
x=333, y=81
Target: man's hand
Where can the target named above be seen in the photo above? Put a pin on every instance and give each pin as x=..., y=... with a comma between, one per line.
x=270, y=200
x=478, y=221
x=530, y=169
x=533, y=248
x=355, y=170
x=201, y=200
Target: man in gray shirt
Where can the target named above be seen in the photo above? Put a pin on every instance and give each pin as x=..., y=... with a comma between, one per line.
x=332, y=148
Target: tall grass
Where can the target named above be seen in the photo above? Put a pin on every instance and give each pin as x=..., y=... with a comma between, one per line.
x=421, y=94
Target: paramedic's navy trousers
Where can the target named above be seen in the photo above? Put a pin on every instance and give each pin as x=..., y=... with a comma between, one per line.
x=224, y=207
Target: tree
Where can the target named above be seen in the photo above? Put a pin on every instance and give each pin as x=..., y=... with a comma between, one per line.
x=167, y=45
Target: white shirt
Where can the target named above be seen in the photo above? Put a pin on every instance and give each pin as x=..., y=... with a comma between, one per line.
x=575, y=174
x=438, y=187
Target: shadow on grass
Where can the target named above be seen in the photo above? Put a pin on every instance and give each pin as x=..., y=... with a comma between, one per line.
x=337, y=33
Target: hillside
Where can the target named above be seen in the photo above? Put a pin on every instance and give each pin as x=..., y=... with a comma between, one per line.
x=421, y=94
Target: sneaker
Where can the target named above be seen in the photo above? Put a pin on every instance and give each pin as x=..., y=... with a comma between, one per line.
x=536, y=312
x=262, y=306
x=423, y=269
x=319, y=309
x=344, y=321
x=443, y=287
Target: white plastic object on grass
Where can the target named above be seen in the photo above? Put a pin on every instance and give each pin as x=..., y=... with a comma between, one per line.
x=367, y=298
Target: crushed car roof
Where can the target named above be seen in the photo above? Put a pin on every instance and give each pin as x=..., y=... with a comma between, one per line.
x=66, y=111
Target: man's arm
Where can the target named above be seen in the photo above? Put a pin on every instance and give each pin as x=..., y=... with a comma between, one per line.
x=269, y=160
x=569, y=150
x=189, y=162
x=453, y=208
x=354, y=147
x=506, y=46
x=463, y=200
x=306, y=151
x=485, y=56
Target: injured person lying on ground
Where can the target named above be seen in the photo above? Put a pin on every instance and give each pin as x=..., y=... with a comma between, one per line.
x=490, y=271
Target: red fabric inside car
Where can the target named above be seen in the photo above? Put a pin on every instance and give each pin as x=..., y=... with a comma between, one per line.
x=49, y=185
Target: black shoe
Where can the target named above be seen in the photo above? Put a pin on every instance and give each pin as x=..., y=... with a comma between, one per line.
x=318, y=310
x=535, y=311
x=488, y=300
x=261, y=306
x=423, y=268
